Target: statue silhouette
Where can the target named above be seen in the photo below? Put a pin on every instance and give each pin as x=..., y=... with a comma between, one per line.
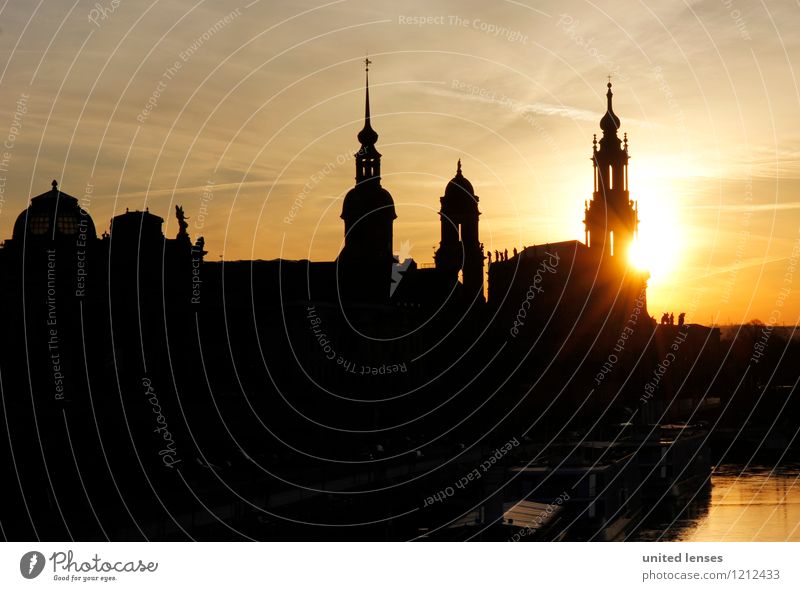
x=182, y=225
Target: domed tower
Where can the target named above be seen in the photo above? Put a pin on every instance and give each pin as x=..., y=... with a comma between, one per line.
x=365, y=263
x=611, y=219
x=53, y=216
x=460, y=248
x=54, y=243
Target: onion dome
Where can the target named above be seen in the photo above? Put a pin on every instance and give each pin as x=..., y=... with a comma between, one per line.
x=367, y=136
x=610, y=122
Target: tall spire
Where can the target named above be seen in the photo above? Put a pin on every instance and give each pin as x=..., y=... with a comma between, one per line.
x=367, y=136
x=367, y=62
x=368, y=212
x=368, y=159
x=610, y=217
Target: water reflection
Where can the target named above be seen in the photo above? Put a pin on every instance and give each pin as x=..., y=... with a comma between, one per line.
x=757, y=503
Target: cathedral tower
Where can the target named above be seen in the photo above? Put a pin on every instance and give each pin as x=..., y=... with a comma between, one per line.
x=611, y=219
x=460, y=248
x=365, y=263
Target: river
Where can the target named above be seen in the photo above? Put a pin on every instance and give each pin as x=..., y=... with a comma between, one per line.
x=744, y=504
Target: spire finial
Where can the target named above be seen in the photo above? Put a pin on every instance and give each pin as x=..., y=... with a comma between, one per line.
x=367, y=136
x=458, y=170
x=54, y=184
x=367, y=62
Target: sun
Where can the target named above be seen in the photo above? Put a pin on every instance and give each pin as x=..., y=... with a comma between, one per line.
x=657, y=247
x=645, y=255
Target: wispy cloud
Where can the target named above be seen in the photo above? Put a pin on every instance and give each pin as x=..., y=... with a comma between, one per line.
x=515, y=106
x=738, y=266
x=745, y=208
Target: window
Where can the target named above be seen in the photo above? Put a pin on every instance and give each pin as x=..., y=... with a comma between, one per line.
x=67, y=224
x=38, y=224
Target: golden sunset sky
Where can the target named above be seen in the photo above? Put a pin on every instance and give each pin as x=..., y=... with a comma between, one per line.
x=247, y=113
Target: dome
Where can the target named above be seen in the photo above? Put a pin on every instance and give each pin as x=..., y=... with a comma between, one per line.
x=459, y=186
x=136, y=225
x=54, y=215
x=365, y=198
x=610, y=122
x=459, y=191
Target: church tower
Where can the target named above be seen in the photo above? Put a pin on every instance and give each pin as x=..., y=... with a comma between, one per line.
x=460, y=248
x=611, y=218
x=365, y=263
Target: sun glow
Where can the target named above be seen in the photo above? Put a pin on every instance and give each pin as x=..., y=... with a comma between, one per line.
x=646, y=256
x=657, y=248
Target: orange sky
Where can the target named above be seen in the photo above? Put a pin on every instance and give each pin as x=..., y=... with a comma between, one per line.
x=246, y=114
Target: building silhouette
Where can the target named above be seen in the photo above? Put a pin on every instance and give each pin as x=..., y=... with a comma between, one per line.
x=611, y=221
x=460, y=248
x=153, y=394
x=366, y=259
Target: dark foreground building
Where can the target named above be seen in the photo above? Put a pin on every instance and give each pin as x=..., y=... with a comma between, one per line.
x=150, y=394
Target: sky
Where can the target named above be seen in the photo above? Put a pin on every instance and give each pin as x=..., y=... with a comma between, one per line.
x=246, y=114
